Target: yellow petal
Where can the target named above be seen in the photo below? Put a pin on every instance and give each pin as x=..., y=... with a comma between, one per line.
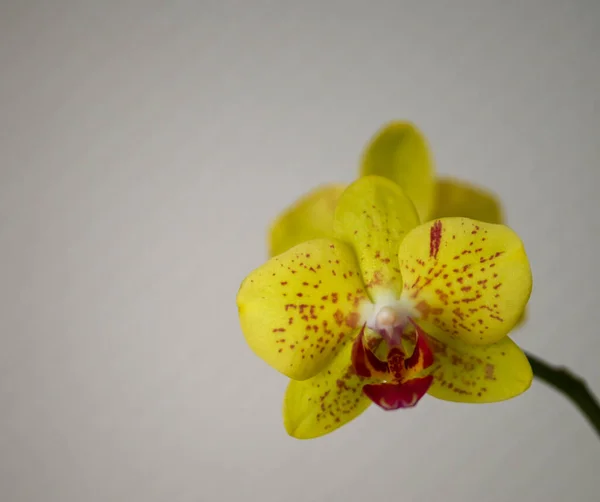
x=298, y=310
x=399, y=152
x=471, y=279
x=478, y=374
x=457, y=198
x=310, y=217
x=318, y=406
x=373, y=215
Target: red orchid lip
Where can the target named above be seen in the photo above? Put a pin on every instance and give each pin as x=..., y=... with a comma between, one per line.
x=393, y=396
x=401, y=386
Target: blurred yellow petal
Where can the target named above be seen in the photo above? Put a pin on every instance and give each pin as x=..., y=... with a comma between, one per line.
x=373, y=215
x=399, y=152
x=478, y=374
x=471, y=279
x=298, y=310
x=310, y=217
x=320, y=405
x=457, y=198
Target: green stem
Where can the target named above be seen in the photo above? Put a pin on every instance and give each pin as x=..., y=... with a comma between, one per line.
x=572, y=386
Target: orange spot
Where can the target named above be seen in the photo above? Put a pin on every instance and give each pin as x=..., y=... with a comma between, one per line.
x=352, y=319
x=338, y=317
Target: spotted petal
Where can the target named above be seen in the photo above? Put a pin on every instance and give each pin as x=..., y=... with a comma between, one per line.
x=478, y=374
x=298, y=309
x=310, y=217
x=399, y=152
x=470, y=279
x=318, y=406
x=458, y=198
x=373, y=215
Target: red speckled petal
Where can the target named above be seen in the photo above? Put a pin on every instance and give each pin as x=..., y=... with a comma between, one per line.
x=470, y=279
x=318, y=406
x=454, y=197
x=373, y=215
x=393, y=396
x=300, y=308
x=477, y=373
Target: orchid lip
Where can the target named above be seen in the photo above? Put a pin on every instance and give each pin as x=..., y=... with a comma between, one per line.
x=402, y=381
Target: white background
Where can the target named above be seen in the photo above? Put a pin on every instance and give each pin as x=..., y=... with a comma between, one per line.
x=144, y=149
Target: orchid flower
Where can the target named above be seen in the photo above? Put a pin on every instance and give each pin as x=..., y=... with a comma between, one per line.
x=386, y=309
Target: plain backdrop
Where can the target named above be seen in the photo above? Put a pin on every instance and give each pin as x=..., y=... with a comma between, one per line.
x=145, y=148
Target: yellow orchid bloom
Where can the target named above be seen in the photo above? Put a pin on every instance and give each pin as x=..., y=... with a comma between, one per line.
x=387, y=309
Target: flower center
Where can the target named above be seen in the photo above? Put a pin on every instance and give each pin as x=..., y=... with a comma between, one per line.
x=386, y=317
x=390, y=318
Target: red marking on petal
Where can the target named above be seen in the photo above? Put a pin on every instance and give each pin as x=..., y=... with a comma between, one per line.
x=422, y=353
x=359, y=361
x=376, y=365
x=352, y=319
x=395, y=362
x=364, y=361
x=338, y=316
x=391, y=396
x=435, y=238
